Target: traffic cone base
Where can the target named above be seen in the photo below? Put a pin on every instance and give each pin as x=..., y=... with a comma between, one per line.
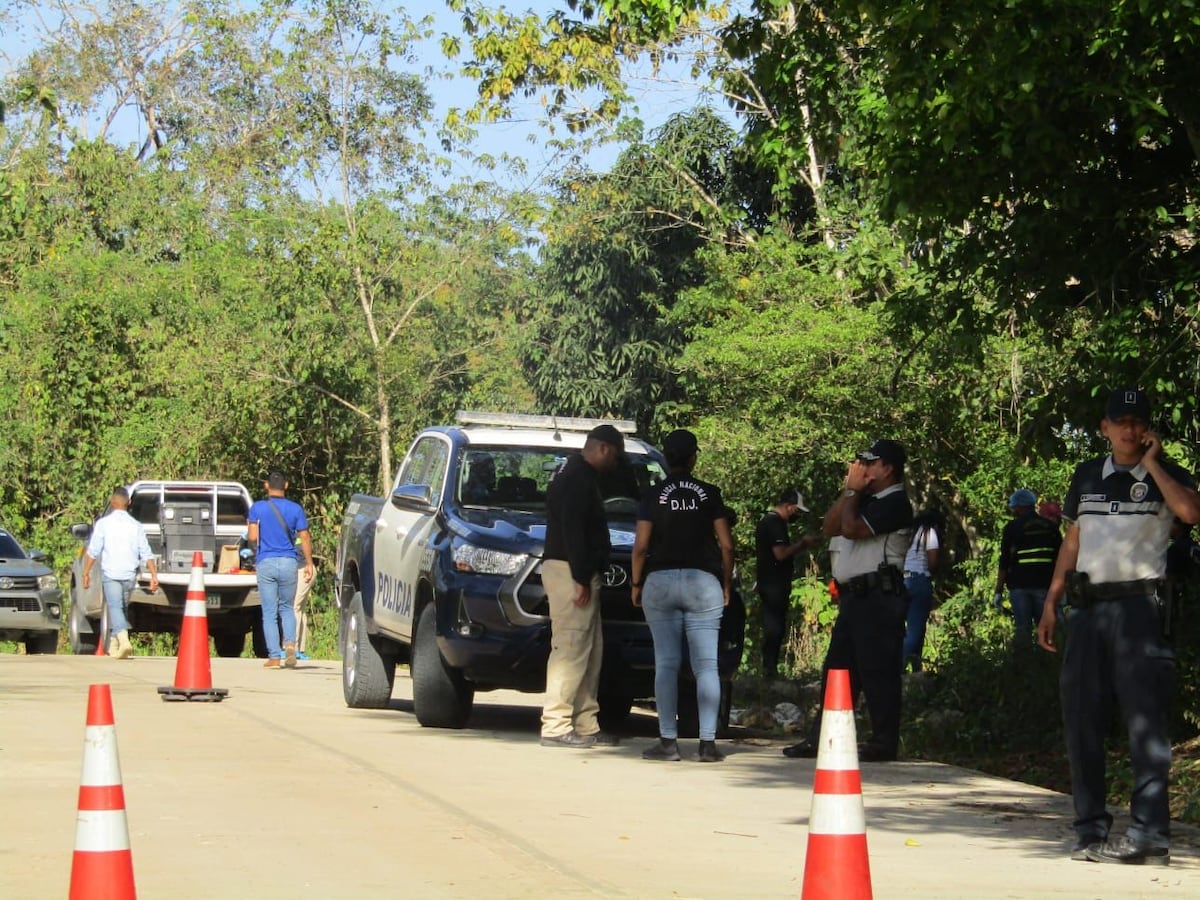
x=102, y=866
x=836, y=865
x=193, y=669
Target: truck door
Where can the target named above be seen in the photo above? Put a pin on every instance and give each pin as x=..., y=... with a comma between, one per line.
x=401, y=536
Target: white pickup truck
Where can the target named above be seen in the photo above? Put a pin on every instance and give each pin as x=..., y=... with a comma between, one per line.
x=180, y=517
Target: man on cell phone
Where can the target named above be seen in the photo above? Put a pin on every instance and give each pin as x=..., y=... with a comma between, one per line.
x=1111, y=570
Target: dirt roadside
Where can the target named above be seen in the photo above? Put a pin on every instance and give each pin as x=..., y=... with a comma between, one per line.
x=281, y=788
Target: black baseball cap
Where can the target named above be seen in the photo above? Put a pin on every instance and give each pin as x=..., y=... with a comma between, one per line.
x=608, y=434
x=679, y=445
x=891, y=452
x=1125, y=402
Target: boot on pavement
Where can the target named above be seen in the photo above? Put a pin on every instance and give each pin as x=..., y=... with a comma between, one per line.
x=124, y=648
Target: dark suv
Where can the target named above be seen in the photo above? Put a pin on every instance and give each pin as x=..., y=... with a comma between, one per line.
x=30, y=598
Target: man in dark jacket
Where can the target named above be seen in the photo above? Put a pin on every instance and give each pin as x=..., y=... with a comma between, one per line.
x=577, y=549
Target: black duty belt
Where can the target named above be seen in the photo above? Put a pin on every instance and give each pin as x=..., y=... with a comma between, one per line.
x=1115, y=591
x=861, y=584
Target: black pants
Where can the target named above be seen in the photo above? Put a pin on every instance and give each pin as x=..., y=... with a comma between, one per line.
x=1115, y=650
x=776, y=598
x=868, y=639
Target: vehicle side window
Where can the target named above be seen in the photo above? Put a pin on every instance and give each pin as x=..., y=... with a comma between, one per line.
x=426, y=464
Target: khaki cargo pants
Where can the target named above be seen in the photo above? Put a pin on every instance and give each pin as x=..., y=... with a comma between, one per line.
x=576, y=652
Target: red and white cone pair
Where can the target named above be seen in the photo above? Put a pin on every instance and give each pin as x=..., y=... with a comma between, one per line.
x=193, y=669
x=836, y=866
x=102, y=868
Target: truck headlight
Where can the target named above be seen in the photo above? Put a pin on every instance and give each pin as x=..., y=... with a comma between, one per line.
x=469, y=558
x=47, y=582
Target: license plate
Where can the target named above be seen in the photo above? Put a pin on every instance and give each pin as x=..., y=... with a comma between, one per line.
x=214, y=601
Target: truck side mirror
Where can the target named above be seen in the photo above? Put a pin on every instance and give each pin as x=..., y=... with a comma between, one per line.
x=417, y=497
x=81, y=532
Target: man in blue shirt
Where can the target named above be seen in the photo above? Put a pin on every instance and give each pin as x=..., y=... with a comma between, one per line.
x=274, y=525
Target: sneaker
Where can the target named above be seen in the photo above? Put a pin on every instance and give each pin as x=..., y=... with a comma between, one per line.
x=1128, y=852
x=570, y=739
x=666, y=750
x=271, y=664
x=300, y=654
x=289, y=658
x=604, y=739
x=1083, y=845
x=709, y=752
x=805, y=749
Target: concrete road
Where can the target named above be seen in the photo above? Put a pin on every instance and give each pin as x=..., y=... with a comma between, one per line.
x=282, y=791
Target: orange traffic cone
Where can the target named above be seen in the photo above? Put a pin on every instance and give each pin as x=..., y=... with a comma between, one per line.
x=836, y=865
x=100, y=645
x=193, y=671
x=103, y=865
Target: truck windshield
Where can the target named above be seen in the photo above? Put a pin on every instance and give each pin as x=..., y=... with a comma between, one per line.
x=516, y=478
x=9, y=548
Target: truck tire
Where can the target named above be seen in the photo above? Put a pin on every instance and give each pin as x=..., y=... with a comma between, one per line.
x=615, y=707
x=367, y=673
x=42, y=642
x=258, y=640
x=81, y=632
x=229, y=644
x=688, y=715
x=442, y=697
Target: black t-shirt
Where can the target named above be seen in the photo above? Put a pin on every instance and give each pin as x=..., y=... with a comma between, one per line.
x=682, y=510
x=772, y=532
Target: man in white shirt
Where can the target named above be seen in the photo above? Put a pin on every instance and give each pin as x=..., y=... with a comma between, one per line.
x=119, y=542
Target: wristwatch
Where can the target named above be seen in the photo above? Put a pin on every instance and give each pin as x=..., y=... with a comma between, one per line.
x=849, y=492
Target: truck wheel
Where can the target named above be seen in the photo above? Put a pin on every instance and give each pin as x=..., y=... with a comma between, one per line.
x=81, y=631
x=258, y=640
x=442, y=697
x=689, y=714
x=367, y=674
x=42, y=642
x=614, y=709
x=229, y=644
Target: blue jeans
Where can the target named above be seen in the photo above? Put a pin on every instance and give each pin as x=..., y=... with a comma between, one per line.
x=277, y=590
x=676, y=601
x=116, y=594
x=920, y=597
x=1027, y=606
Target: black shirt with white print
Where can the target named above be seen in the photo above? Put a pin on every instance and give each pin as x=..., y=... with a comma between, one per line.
x=682, y=510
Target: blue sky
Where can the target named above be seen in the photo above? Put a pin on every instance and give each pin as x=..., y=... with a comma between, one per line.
x=522, y=136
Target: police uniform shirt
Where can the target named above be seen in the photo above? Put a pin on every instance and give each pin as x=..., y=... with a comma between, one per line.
x=1124, y=522
x=682, y=510
x=889, y=515
x=772, y=532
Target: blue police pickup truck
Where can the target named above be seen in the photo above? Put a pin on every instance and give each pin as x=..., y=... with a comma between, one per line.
x=443, y=574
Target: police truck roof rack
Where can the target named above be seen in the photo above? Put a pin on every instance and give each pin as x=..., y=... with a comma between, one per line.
x=556, y=423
